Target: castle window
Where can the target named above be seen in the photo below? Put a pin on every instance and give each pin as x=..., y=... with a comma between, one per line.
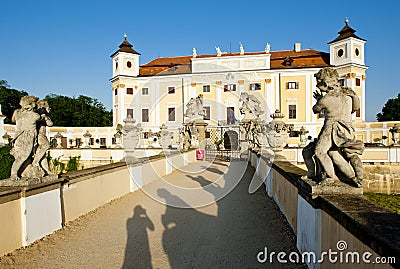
x=171, y=114
x=145, y=115
x=171, y=90
x=255, y=87
x=129, y=64
x=358, y=82
x=102, y=141
x=340, y=53
x=129, y=90
x=229, y=87
x=129, y=113
x=206, y=88
x=145, y=91
x=116, y=91
x=207, y=116
x=292, y=111
x=292, y=85
x=341, y=81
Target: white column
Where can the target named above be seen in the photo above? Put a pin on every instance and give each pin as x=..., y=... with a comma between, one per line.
x=121, y=105
x=219, y=108
x=269, y=98
x=313, y=101
x=308, y=97
x=192, y=91
x=277, y=101
x=362, y=100
x=156, y=104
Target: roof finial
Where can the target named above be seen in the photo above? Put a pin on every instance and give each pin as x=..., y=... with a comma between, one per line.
x=125, y=36
x=346, y=20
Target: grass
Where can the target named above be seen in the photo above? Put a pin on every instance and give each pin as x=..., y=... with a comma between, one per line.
x=389, y=201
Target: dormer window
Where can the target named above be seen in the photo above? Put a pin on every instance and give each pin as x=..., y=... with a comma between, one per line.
x=288, y=61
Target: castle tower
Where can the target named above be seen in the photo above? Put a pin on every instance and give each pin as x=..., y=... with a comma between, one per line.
x=347, y=55
x=125, y=65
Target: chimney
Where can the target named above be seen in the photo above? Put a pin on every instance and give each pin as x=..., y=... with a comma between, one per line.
x=297, y=47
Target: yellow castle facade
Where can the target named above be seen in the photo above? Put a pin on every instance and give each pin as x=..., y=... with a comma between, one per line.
x=157, y=92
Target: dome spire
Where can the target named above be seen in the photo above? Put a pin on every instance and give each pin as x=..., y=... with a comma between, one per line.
x=346, y=32
x=126, y=47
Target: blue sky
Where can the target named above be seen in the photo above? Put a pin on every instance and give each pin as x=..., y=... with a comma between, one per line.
x=63, y=47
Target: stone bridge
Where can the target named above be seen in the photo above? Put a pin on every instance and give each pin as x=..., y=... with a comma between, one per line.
x=139, y=230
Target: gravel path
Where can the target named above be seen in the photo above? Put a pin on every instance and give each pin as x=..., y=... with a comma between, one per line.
x=137, y=231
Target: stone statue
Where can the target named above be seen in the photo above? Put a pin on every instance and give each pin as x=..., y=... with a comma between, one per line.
x=303, y=139
x=118, y=136
x=250, y=106
x=219, y=53
x=194, y=53
x=25, y=137
x=241, y=49
x=194, y=138
x=267, y=48
x=195, y=109
x=395, y=131
x=43, y=143
x=165, y=137
x=336, y=145
x=184, y=139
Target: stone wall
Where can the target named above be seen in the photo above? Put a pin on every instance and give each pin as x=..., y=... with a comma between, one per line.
x=382, y=178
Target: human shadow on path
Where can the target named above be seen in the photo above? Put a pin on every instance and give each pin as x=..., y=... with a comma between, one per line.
x=137, y=251
x=245, y=224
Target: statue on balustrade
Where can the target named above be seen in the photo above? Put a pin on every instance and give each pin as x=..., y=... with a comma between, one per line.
x=336, y=151
x=250, y=106
x=195, y=110
x=30, y=143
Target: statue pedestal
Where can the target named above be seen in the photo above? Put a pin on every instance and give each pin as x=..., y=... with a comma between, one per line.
x=295, y=175
x=201, y=126
x=336, y=188
x=28, y=181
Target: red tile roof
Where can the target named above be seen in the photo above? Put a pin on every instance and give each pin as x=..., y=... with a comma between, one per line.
x=182, y=64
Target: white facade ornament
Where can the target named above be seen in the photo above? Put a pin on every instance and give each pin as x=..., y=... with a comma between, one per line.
x=250, y=106
x=194, y=53
x=195, y=110
x=165, y=137
x=219, y=53
x=267, y=48
x=131, y=132
x=241, y=49
x=87, y=137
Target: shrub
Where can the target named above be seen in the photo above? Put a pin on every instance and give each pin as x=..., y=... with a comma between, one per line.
x=73, y=164
x=6, y=161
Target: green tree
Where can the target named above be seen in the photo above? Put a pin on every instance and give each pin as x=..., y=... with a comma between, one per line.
x=391, y=110
x=9, y=99
x=82, y=111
